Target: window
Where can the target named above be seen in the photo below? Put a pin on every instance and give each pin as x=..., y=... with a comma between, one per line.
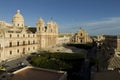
x=10, y=44
x=10, y=52
x=81, y=41
x=18, y=24
x=18, y=51
x=18, y=43
x=23, y=51
x=28, y=49
x=23, y=42
x=10, y=35
x=23, y=35
x=17, y=35
x=28, y=42
x=81, y=34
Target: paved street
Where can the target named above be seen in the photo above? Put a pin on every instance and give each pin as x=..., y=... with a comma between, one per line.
x=15, y=63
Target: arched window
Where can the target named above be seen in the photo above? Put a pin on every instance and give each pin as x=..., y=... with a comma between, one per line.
x=81, y=34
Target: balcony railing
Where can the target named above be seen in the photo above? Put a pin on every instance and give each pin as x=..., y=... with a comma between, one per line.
x=20, y=45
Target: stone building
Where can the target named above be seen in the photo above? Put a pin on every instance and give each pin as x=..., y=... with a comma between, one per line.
x=64, y=38
x=114, y=61
x=106, y=47
x=81, y=37
x=118, y=43
x=16, y=39
x=117, y=50
x=46, y=35
x=108, y=40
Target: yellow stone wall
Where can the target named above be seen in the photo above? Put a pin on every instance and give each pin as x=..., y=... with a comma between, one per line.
x=81, y=37
x=17, y=40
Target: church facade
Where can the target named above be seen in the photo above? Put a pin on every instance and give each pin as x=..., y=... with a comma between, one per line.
x=46, y=35
x=81, y=37
x=16, y=39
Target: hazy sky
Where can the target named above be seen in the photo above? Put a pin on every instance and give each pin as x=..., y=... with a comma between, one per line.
x=95, y=16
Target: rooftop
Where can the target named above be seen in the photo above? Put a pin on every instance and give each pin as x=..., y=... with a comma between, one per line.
x=32, y=29
x=31, y=73
x=107, y=75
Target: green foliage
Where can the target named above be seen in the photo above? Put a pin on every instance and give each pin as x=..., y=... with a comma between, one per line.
x=93, y=61
x=82, y=46
x=57, y=61
x=66, y=56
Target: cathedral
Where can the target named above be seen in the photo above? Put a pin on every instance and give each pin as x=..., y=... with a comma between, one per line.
x=16, y=39
x=81, y=37
x=46, y=35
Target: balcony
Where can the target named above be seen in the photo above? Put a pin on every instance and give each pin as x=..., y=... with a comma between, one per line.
x=20, y=45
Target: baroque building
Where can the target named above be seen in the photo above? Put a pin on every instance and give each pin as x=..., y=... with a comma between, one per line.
x=81, y=37
x=46, y=35
x=16, y=39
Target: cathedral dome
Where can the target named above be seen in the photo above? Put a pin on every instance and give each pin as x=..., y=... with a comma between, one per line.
x=18, y=16
x=18, y=19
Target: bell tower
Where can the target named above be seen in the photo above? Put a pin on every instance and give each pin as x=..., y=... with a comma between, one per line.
x=40, y=25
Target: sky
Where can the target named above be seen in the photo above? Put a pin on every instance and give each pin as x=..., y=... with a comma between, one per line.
x=94, y=16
